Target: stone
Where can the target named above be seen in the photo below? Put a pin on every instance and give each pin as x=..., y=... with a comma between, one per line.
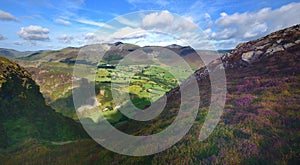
x=105, y=109
x=247, y=56
x=288, y=45
x=258, y=54
x=274, y=49
x=279, y=41
x=262, y=47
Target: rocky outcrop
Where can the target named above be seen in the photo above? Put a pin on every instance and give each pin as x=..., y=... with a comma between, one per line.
x=246, y=54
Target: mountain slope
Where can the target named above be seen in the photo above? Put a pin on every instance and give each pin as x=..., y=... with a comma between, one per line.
x=260, y=123
x=23, y=112
x=10, y=53
x=261, y=120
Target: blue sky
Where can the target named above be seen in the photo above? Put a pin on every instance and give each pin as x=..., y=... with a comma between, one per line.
x=41, y=24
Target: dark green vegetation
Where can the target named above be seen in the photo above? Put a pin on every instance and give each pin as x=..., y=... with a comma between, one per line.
x=260, y=123
x=24, y=114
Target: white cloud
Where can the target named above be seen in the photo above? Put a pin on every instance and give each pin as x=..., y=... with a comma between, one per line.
x=256, y=29
x=207, y=31
x=127, y=22
x=256, y=24
x=158, y=20
x=226, y=33
x=138, y=36
x=166, y=22
x=157, y=28
x=187, y=35
x=61, y=21
x=90, y=36
x=124, y=34
x=94, y=23
x=93, y=38
x=157, y=39
x=80, y=42
x=65, y=38
x=2, y=37
x=223, y=14
x=5, y=16
x=128, y=33
x=226, y=44
x=34, y=33
x=207, y=21
x=206, y=15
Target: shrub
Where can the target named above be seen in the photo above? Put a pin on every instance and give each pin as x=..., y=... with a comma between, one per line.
x=244, y=101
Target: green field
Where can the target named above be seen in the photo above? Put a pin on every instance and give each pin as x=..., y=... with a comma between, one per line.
x=145, y=84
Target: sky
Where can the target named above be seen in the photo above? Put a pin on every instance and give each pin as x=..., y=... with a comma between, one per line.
x=202, y=24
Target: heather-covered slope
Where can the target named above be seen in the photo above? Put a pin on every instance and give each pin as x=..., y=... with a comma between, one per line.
x=23, y=112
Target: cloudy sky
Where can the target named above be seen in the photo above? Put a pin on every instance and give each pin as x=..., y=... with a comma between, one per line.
x=220, y=24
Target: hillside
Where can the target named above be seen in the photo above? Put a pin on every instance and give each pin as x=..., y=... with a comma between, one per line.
x=259, y=125
x=23, y=112
x=10, y=53
x=261, y=120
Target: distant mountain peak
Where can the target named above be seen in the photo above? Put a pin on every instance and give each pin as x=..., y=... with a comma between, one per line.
x=118, y=43
x=174, y=46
